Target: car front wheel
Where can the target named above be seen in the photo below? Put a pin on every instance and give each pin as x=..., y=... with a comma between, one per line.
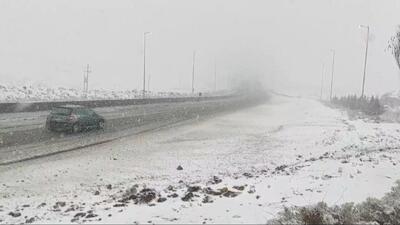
x=76, y=128
x=101, y=125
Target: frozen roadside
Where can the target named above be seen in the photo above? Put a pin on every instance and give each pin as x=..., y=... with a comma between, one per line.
x=292, y=152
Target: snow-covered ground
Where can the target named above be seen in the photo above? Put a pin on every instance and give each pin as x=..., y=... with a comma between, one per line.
x=38, y=93
x=241, y=167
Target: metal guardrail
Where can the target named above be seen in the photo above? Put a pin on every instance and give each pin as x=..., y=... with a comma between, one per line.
x=44, y=106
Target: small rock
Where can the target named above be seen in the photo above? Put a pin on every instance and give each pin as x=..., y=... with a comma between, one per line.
x=80, y=214
x=59, y=204
x=252, y=190
x=207, y=199
x=210, y=191
x=174, y=195
x=91, y=215
x=30, y=220
x=179, y=167
x=15, y=214
x=230, y=194
x=97, y=193
x=41, y=205
x=193, y=188
x=239, y=188
x=188, y=197
x=170, y=188
x=146, y=195
x=161, y=199
x=109, y=186
x=248, y=175
x=216, y=180
x=280, y=168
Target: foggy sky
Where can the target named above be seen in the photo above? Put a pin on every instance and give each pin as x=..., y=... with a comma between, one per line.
x=281, y=42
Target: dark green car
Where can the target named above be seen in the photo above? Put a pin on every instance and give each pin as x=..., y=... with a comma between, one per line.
x=74, y=118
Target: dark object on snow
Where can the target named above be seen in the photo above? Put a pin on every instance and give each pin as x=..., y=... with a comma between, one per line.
x=193, y=188
x=207, y=199
x=109, y=186
x=41, y=205
x=179, y=167
x=73, y=118
x=215, y=180
x=239, y=188
x=91, y=215
x=59, y=204
x=248, y=175
x=281, y=168
x=30, y=220
x=97, y=193
x=161, y=199
x=187, y=197
x=15, y=214
x=146, y=195
x=174, y=195
x=80, y=214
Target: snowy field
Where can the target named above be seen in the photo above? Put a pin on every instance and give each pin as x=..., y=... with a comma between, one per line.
x=241, y=167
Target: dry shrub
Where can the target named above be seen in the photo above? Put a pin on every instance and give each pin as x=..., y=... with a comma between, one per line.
x=371, y=211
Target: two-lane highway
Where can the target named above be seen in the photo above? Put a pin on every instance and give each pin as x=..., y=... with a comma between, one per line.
x=23, y=134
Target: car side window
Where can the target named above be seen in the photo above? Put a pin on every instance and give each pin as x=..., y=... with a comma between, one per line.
x=91, y=112
x=80, y=112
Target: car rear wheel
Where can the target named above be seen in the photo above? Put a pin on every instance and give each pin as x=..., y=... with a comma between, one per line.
x=76, y=128
x=101, y=125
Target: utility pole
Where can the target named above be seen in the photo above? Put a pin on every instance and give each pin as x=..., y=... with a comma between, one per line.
x=322, y=80
x=365, y=59
x=194, y=60
x=144, y=63
x=333, y=71
x=86, y=80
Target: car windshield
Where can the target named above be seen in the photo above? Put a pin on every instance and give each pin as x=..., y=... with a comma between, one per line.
x=61, y=111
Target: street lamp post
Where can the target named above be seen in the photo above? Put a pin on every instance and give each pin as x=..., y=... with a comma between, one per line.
x=144, y=63
x=194, y=60
x=215, y=76
x=333, y=71
x=365, y=59
x=322, y=80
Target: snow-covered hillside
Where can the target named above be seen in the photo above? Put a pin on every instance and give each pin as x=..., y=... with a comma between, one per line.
x=35, y=93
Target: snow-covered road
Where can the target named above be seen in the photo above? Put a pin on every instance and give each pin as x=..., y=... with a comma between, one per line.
x=241, y=167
